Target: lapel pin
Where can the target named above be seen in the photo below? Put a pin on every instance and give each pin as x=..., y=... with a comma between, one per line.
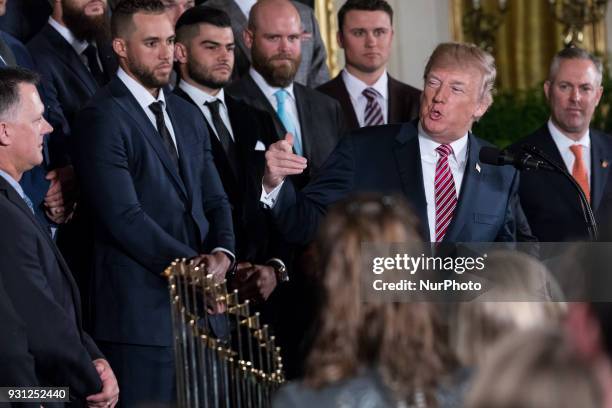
x=478, y=167
x=604, y=164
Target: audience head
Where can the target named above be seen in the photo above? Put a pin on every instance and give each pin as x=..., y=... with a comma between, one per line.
x=3, y=7
x=458, y=90
x=86, y=19
x=353, y=334
x=205, y=47
x=517, y=301
x=365, y=33
x=22, y=125
x=573, y=90
x=143, y=39
x=274, y=36
x=175, y=8
x=536, y=368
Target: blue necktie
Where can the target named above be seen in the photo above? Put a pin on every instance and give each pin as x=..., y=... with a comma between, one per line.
x=28, y=202
x=287, y=121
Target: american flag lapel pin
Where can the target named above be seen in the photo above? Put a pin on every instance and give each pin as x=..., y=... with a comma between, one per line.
x=605, y=164
x=478, y=167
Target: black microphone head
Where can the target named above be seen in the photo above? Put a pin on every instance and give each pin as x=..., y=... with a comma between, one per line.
x=490, y=155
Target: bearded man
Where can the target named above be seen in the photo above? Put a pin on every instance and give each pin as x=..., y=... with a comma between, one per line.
x=274, y=37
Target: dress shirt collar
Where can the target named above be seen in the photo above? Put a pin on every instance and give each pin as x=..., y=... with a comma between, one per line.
x=245, y=6
x=268, y=90
x=13, y=183
x=199, y=96
x=427, y=147
x=139, y=92
x=78, y=45
x=356, y=86
x=563, y=142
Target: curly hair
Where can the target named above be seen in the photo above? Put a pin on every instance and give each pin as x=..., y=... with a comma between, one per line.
x=398, y=339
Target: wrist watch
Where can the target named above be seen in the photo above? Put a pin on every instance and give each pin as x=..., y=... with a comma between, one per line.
x=280, y=270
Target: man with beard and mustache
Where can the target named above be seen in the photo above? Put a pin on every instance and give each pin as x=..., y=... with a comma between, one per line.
x=239, y=136
x=573, y=91
x=312, y=70
x=147, y=176
x=274, y=38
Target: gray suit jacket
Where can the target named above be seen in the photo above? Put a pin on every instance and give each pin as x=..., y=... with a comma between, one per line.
x=313, y=69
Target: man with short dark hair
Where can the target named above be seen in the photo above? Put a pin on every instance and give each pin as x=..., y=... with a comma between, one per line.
x=573, y=90
x=239, y=136
x=368, y=95
x=37, y=281
x=147, y=175
x=312, y=70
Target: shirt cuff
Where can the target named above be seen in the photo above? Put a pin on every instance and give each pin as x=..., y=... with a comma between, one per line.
x=231, y=256
x=269, y=199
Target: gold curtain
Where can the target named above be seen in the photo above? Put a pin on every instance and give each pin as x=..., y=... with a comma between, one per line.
x=527, y=39
x=326, y=15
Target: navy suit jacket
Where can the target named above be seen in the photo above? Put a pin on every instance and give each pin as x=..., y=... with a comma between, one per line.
x=45, y=297
x=146, y=213
x=67, y=82
x=386, y=159
x=550, y=202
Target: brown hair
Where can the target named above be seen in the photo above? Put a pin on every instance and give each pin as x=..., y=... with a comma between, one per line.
x=122, y=23
x=460, y=54
x=398, y=339
x=536, y=368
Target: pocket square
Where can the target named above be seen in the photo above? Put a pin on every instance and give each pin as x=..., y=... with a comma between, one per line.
x=260, y=147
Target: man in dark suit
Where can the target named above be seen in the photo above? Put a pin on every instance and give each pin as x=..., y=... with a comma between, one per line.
x=37, y=281
x=434, y=162
x=147, y=174
x=315, y=120
x=239, y=136
x=551, y=204
x=367, y=94
x=312, y=70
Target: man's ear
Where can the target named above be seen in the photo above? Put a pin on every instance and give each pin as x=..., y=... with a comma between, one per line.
x=180, y=53
x=120, y=47
x=340, y=39
x=247, y=36
x=5, y=139
x=547, y=89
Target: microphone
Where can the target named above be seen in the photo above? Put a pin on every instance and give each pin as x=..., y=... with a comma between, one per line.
x=522, y=161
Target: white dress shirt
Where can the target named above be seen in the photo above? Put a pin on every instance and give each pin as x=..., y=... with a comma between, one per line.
x=201, y=98
x=429, y=158
x=563, y=144
x=246, y=6
x=144, y=99
x=78, y=45
x=290, y=102
x=355, y=88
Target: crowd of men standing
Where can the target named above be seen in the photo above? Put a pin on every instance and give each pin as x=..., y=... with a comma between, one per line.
x=214, y=132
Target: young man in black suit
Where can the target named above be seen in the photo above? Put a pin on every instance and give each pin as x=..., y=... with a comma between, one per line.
x=239, y=136
x=38, y=283
x=551, y=204
x=315, y=120
x=368, y=95
x=146, y=172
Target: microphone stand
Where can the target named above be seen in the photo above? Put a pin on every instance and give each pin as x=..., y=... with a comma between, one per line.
x=587, y=211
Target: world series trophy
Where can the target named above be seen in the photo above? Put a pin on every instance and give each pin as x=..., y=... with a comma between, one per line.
x=240, y=369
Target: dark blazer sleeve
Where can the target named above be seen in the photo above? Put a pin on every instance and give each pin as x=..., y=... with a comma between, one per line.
x=103, y=168
x=297, y=215
x=54, y=338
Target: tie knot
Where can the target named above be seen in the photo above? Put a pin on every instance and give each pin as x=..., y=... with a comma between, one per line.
x=213, y=105
x=90, y=51
x=280, y=95
x=157, y=108
x=370, y=93
x=577, y=150
x=444, y=150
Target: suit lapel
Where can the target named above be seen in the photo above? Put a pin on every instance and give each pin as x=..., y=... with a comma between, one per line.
x=16, y=199
x=69, y=57
x=600, y=163
x=309, y=138
x=394, y=113
x=470, y=185
x=259, y=101
x=408, y=161
x=341, y=94
x=128, y=103
x=6, y=53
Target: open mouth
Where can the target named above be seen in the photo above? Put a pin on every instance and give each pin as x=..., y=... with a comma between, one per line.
x=435, y=114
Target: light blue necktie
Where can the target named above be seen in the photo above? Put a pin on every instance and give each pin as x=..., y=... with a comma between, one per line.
x=287, y=121
x=28, y=202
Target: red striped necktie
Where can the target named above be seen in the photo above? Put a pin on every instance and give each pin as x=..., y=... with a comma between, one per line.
x=444, y=191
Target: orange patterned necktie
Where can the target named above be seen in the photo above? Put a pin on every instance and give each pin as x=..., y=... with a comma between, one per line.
x=579, y=171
